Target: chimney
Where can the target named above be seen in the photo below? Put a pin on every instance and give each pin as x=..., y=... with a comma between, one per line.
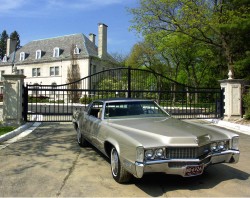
x=102, y=39
x=11, y=46
x=92, y=37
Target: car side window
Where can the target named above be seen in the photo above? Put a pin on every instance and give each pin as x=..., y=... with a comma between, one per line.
x=95, y=108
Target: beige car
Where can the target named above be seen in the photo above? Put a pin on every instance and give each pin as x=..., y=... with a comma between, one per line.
x=140, y=137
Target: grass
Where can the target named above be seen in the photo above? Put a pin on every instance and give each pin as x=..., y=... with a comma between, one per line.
x=6, y=129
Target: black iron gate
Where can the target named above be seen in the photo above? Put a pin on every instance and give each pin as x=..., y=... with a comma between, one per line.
x=50, y=103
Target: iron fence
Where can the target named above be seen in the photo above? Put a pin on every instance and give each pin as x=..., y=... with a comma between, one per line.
x=51, y=103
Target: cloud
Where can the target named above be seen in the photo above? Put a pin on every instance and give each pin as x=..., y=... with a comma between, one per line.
x=81, y=4
x=8, y=6
x=25, y=8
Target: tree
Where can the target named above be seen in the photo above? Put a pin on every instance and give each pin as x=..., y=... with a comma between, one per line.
x=15, y=35
x=73, y=75
x=144, y=55
x=218, y=24
x=120, y=59
x=3, y=43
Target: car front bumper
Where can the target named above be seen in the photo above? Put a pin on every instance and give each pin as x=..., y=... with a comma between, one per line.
x=178, y=166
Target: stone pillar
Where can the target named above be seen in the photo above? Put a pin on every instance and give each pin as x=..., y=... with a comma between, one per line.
x=13, y=99
x=233, y=98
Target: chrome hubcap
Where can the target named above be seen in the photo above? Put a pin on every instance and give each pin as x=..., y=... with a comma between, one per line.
x=114, y=162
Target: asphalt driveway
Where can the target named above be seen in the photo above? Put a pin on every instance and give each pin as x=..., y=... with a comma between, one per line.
x=49, y=163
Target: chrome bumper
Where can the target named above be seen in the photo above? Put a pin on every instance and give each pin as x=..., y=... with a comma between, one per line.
x=230, y=156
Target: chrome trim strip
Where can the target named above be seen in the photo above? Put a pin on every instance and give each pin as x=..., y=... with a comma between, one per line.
x=192, y=160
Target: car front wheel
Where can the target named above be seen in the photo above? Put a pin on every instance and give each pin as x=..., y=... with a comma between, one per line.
x=118, y=172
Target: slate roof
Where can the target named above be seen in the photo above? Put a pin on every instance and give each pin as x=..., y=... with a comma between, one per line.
x=64, y=43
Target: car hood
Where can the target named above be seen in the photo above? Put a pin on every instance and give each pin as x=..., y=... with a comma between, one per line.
x=168, y=131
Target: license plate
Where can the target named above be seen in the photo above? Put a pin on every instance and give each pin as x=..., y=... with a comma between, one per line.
x=194, y=170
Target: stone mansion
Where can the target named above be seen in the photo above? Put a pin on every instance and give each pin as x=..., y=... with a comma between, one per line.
x=47, y=61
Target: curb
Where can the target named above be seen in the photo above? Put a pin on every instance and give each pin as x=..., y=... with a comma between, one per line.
x=16, y=132
x=229, y=125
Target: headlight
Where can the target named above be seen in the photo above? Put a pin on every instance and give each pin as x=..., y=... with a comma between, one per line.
x=235, y=143
x=159, y=153
x=219, y=146
x=149, y=154
x=213, y=146
x=154, y=154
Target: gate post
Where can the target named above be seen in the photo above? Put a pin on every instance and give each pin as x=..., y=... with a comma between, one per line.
x=13, y=99
x=233, y=98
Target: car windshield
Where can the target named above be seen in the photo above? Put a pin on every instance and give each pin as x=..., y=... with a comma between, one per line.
x=133, y=109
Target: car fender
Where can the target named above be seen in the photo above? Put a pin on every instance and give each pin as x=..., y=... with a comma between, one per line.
x=112, y=142
x=127, y=161
x=124, y=143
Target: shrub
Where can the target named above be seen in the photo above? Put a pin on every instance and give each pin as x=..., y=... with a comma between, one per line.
x=246, y=100
x=41, y=98
x=86, y=100
x=56, y=101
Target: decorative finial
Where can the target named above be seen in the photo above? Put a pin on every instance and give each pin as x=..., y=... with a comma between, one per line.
x=230, y=75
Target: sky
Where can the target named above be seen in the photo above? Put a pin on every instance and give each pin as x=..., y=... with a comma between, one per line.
x=41, y=19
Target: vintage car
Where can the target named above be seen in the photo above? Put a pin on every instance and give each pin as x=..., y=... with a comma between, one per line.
x=141, y=137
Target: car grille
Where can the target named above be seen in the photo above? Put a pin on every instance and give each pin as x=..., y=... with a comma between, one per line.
x=187, y=152
x=182, y=164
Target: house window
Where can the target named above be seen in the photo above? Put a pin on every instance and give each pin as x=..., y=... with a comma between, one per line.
x=76, y=50
x=56, y=52
x=22, y=56
x=36, y=72
x=20, y=71
x=54, y=71
x=38, y=54
x=1, y=77
x=4, y=59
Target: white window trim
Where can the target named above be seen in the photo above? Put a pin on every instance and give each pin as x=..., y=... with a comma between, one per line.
x=4, y=59
x=56, y=52
x=76, y=50
x=38, y=54
x=54, y=70
x=22, y=56
x=36, y=69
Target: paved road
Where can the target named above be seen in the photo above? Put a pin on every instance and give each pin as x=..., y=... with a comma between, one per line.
x=49, y=163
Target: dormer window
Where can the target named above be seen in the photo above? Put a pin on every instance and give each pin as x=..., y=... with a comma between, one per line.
x=38, y=54
x=76, y=50
x=56, y=52
x=4, y=59
x=22, y=56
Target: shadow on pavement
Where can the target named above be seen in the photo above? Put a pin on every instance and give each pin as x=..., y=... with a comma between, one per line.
x=211, y=177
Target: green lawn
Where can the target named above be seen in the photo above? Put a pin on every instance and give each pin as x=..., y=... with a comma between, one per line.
x=6, y=129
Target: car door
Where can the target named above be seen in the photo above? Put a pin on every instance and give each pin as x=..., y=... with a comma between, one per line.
x=92, y=122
